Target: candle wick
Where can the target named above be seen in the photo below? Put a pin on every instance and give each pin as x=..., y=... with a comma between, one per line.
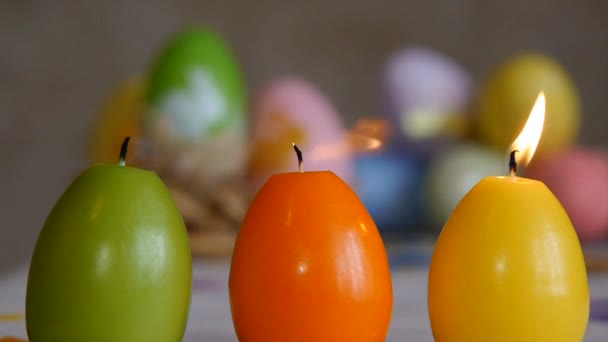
x=300, y=159
x=513, y=164
x=123, y=151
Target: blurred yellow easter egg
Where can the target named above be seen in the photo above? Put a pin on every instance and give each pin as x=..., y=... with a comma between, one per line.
x=509, y=93
x=120, y=117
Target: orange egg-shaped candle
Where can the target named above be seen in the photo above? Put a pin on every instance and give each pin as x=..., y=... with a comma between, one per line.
x=309, y=264
x=508, y=265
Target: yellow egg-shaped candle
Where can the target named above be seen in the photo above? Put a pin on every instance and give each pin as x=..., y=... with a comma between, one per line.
x=508, y=266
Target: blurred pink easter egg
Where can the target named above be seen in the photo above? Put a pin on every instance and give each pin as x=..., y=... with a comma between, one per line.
x=290, y=110
x=579, y=179
x=426, y=95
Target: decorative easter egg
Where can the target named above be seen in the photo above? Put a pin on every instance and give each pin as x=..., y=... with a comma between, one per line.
x=579, y=179
x=427, y=94
x=507, y=95
x=195, y=89
x=111, y=263
x=119, y=118
x=452, y=173
x=389, y=182
x=292, y=110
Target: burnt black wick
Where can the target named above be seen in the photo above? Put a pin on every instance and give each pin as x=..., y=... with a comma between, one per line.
x=300, y=159
x=512, y=162
x=123, y=151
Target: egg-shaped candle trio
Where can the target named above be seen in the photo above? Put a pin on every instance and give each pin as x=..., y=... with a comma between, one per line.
x=508, y=265
x=309, y=264
x=111, y=263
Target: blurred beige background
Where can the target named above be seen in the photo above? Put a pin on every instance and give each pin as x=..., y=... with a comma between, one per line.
x=59, y=60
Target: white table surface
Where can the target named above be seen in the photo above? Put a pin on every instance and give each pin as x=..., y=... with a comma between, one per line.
x=210, y=319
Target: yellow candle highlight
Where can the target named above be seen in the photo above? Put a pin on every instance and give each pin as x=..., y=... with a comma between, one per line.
x=508, y=265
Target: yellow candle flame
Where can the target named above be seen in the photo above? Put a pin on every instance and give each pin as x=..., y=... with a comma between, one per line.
x=528, y=139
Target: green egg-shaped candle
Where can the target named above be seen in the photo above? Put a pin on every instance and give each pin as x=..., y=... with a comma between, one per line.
x=195, y=89
x=111, y=263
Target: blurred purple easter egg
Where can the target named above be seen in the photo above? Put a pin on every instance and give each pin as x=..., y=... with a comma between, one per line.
x=426, y=95
x=290, y=110
x=388, y=181
x=579, y=179
x=452, y=173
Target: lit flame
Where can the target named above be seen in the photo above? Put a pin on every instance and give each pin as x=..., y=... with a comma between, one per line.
x=528, y=139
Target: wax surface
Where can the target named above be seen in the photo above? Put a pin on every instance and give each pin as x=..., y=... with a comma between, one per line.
x=309, y=265
x=112, y=262
x=508, y=266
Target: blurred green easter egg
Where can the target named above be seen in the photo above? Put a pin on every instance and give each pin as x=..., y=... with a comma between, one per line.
x=195, y=89
x=507, y=98
x=452, y=173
